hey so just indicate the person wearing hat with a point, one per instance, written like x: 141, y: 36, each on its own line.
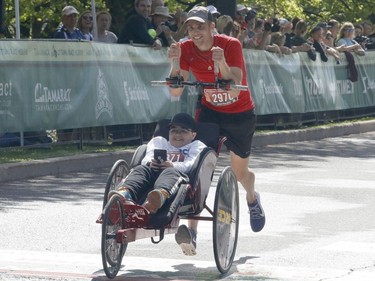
x: 158, y: 177
x: 232, y: 110
x: 160, y: 21
x: 214, y: 12
x: 68, y: 29
x: 138, y: 28
x: 241, y: 12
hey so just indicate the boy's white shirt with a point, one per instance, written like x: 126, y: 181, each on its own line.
x: 183, y: 157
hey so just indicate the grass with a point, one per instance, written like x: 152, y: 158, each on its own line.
x: 24, y: 154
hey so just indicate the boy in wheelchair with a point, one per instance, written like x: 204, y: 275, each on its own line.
x: 160, y: 178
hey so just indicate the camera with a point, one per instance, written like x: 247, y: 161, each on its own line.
x: 173, y: 27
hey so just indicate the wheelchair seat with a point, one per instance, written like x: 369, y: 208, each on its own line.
x: 191, y: 197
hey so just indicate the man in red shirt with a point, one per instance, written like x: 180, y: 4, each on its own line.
x: 232, y: 110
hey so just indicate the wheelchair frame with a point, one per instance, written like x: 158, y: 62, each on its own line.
x: 124, y: 222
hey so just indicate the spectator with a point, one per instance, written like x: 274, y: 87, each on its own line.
x: 250, y: 20
x: 241, y: 12
x: 138, y: 28
x: 278, y: 39
x: 85, y: 25
x: 68, y: 29
x: 224, y: 25
x: 333, y: 30
x: 104, y: 20
x: 215, y: 14
x: 261, y: 37
x: 346, y: 40
x: 299, y: 43
x: 370, y: 34
x: 295, y: 20
x: 181, y: 29
x: 317, y: 37
x: 240, y: 26
x: 286, y: 29
x: 160, y: 21
x: 367, y: 29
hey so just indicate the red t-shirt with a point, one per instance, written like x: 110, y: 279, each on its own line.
x: 202, y: 66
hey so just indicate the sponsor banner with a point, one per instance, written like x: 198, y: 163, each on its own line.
x: 58, y: 85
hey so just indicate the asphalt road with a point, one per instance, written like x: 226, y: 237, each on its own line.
x: 319, y: 202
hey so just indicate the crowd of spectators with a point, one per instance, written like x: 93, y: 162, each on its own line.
x: 150, y: 23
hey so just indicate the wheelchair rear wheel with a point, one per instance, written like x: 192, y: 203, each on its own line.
x: 226, y: 220
x: 118, y: 172
x: 112, y: 251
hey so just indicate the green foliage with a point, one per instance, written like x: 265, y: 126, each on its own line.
x: 314, y: 10
x: 39, y: 18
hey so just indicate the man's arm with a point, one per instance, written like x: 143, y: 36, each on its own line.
x: 174, y: 55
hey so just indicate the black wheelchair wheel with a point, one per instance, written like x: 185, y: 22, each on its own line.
x: 112, y: 251
x: 226, y: 220
x: 118, y: 172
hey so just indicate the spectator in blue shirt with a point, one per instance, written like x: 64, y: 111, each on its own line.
x: 68, y: 29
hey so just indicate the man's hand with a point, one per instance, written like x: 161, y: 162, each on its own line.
x: 174, y: 52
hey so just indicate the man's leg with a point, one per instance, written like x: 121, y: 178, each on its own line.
x: 246, y: 177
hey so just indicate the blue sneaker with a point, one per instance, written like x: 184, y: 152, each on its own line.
x: 257, y: 216
x: 186, y: 238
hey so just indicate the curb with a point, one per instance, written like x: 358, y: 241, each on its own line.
x: 87, y: 162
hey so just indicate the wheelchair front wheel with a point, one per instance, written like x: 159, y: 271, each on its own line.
x: 112, y: 251
x: 226, y: 220
x: 118, y: 172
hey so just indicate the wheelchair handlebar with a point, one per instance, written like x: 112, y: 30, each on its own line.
x: 220, y: 84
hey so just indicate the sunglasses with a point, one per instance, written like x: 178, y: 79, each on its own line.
x: 88, y: 18
x: 349, y: 29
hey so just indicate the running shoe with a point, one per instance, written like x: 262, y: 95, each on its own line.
x: 257, y: 216
x: 186, y: 238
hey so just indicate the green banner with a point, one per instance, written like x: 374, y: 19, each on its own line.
x: 56, y: 85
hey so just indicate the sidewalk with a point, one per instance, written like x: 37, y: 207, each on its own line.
x: 81, y: 163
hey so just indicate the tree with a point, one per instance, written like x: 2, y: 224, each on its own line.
x: 39, y: 18
x: 315, y: 10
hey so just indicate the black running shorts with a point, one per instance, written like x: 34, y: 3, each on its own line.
x: 239, y: 128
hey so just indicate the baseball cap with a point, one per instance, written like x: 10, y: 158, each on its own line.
x: 184, y: 120
x: 323, y: 25
x: 283, y: 22
x: 241, y: 8
x: 68, y: 10
x: 212, y: 9
x: 199, y: 13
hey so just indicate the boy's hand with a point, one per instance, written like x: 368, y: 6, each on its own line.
x: 155, y: 164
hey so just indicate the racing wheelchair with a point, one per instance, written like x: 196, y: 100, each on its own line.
x: 124, y: 222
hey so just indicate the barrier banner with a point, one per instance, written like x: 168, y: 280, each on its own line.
x: 62, y: 84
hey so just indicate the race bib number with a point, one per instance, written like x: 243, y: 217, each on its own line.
x: 218, y: 97
x: 176, y: 157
